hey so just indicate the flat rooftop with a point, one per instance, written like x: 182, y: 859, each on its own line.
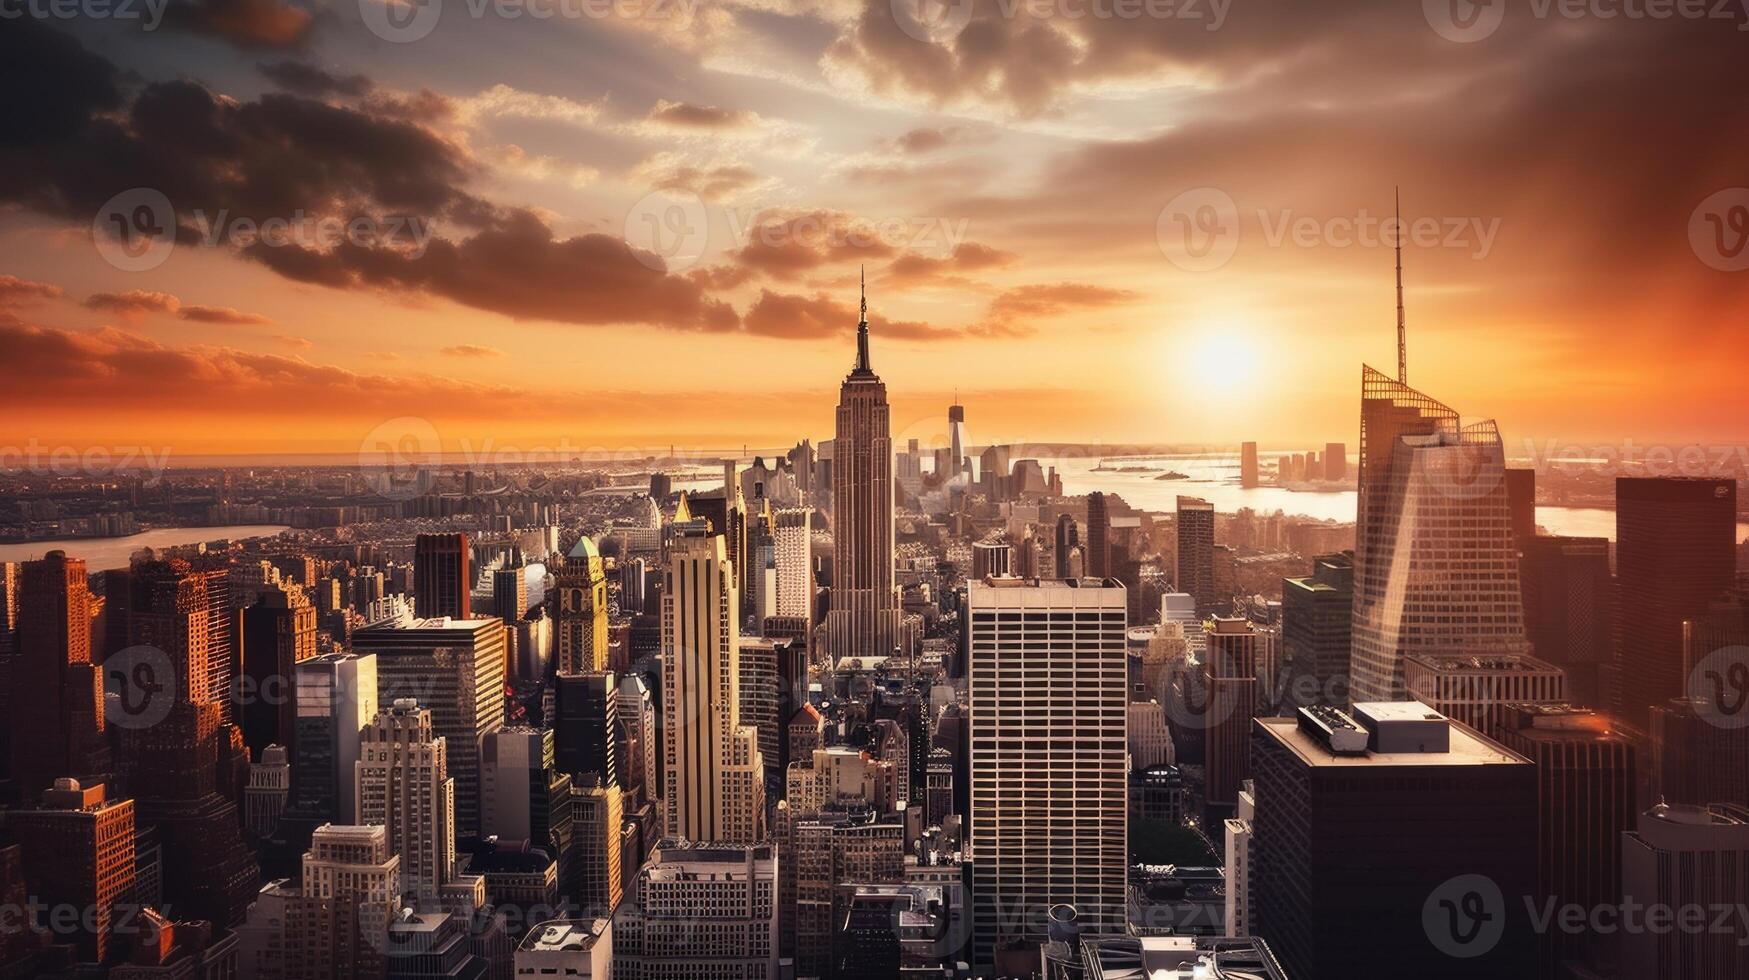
x: 1467, y: 748
x: 563, y: 935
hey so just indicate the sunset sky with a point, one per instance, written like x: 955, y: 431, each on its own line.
x: 1002, y: 180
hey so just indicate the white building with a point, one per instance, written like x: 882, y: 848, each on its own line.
x: 567, y: 948
x: 404, y: 785
x: 1150, y: 739
x: 1049, y: 780
x: 795, y: 561
x: 1238, y: 840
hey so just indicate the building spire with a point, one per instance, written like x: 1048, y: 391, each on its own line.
x: 1402, y: 329
x: 862, y: 366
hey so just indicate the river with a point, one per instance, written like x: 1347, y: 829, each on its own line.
x: 101, y: 554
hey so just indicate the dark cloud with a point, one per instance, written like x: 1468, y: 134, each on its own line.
x: 790, y: 316
x: 246, y: 23
x: 304, y: 78
x: 786, y: 244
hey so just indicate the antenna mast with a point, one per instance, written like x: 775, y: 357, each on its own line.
x: 1402, y: 331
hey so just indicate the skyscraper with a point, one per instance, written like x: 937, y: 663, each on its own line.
x: 715, y: 779
x: 404, y: 785
x: 55, y: 714
x: 1248, y: 465
x: 956, y: 440
x: 1569, y: 611
x: 1231, y: 678
x: 1682, y: 858
x: 337, y: 919
x: 582, y: 610
x: 1067, y: 546
x: 794, y: 543
x: 336, y: 699
x: 1049, y: 779
x: 1316, y: 625
x: 1369, y: 825
x: 279, y: 632
x: 1196, y: 552
x: 1098, y: 535
x: 455, y: 669
x: 700, y: 910
x: 1435, y: 564
x: 864, y: 618
x: 1336, y: 461
x: 442, y: 575
x: 78, y: 855
x: 509, y: 594
x: 1675, y: 552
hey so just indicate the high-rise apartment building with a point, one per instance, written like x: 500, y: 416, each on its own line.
x: 455, y: 669
x: 1370, y: 824
x: 715, y: 779
x: 1196, y: 552
x: 1049, y: 780
x: 1675, y: 553
x: 337, y: 919
x: 443, y: 580
x: 864, y: 620
x: 792, y: 537
x: 1435, y: 564
x: 700, y: 910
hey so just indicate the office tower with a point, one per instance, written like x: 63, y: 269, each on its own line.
x: 443, y: 579
x: 224, y: 655
x: 1048, y: 818
x: 55, y: 712
x: 1586, y: 777
x: 1675, y: 552
x: 1196, y: 553
x: 336, y: 699
x: 454, y: 668
x: 1370, y: 824
x: 183, y: 766
x: 404, y: 785
x: 585, y: 715
x: 700, y: 910
x: 269, y: 789
x: 714, y: 775
x: 1521, y: 503
x: 509, y: 593
x: 956, y: 438
x: 1098, y: 544
x: 833, y: 853
x: 337, y: 918
x: 1248, y: 465
x: 1435, y: 564
x: 1067, y: 543
x: 1569, y: 611
x: 1336, y: 461
x: 864, y: 618
x: 9, y: 583
x: 279, y: 632
x: 597, y: 822
x: 582, y: 610
x: 1238, y: 834
x: 1316, y: 621
x: 1476, y: 690
x: 77, y: 852
x: 1230, y: 670
x: 794, y: 542
x: 1683, y: 858
x: 991, y: 558
x: 636, y: 709
x: 516, y: 765
x: 759, y: 687
x: 581, y: 948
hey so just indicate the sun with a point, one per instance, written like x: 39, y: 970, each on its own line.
x: 1223, y: 357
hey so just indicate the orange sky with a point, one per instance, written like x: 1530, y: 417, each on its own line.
x: 1019, y: 192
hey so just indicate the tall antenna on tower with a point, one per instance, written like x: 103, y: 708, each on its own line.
x: 1402, y: 330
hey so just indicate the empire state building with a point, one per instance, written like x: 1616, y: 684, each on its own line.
x: 864, y: 618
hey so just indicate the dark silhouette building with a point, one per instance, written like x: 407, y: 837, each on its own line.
x: 442, y: 575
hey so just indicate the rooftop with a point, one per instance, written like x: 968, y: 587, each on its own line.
x: 563, y: 935
x: 1465, y: 747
